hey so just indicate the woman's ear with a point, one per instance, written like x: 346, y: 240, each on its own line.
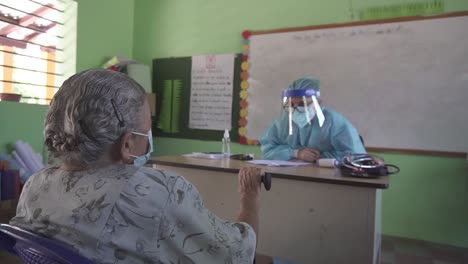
x: 126, y: 147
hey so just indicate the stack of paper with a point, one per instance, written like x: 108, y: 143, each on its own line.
x: 279, y: 163
x: 207, y: 155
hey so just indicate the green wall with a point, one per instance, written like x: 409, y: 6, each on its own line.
x: 21, y: 121
x: 427, y: 200
x: 105, y: 29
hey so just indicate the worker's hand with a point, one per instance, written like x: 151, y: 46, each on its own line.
x: 308, y: 154
x: 249, y: 182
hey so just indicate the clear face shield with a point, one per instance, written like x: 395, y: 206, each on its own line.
x: 303, y: 99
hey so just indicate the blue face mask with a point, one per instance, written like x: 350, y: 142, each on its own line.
x: 141, y: 160
x: 301, y: 118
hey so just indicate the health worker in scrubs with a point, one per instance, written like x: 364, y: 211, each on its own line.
x: 307, y: 131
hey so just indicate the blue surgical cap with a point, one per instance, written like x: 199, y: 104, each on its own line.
x: 306, y: 83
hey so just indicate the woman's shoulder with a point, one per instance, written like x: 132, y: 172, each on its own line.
x: 43, y: 173
x: 154, y: 187
x: 164, y: 178
x: 153, y: 172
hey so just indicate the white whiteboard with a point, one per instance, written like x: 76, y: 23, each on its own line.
x: 404, y: 85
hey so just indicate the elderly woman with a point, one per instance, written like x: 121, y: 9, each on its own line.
x: 102, y: 202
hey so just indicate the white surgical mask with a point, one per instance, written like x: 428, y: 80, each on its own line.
x: 141, y: 160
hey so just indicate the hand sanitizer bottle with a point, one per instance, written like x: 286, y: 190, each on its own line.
x: 226, y: 144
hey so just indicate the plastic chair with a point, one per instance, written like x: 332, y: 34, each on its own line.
x: 36, y: 249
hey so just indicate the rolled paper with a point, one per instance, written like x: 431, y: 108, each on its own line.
x: 329, y: 163
x: 25, y: 156
x: 20, y: 161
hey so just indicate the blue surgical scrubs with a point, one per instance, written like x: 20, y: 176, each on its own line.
x: 336, y: 138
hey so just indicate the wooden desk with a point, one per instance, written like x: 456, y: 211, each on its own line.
x: 311, y: 214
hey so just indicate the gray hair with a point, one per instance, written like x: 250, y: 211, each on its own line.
x: 89, y: 113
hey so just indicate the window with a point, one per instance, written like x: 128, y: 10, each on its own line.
x: 37, y: 47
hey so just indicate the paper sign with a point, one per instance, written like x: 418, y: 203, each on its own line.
x: 211, y: 92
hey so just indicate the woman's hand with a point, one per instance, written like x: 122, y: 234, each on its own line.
x: 249, y: 182
x: 249, y: 190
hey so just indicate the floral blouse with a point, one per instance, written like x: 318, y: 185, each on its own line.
x: 127, y: 214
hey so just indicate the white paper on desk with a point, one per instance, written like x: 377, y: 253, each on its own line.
x: 279, y: 163
x: 206, y: 155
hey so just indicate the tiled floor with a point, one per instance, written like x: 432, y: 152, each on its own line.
x: 397, y: 250
x: 394, y: 251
